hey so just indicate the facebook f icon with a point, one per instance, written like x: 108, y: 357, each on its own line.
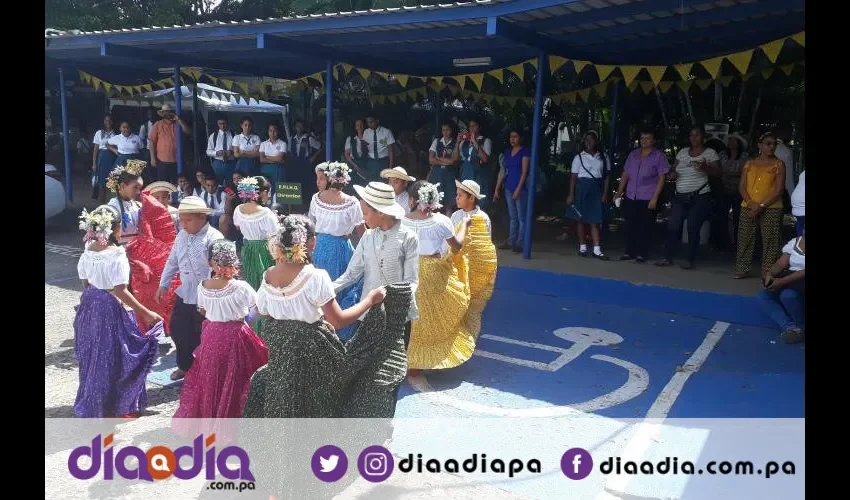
x: 576, y: 463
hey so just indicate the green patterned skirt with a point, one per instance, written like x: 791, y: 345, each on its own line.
x: 255, y: 260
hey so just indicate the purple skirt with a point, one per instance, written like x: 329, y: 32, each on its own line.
x: 114, y: 358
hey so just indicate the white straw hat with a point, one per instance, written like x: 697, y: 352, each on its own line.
x: 166, y: 108
x: 381, y: 197
x: 470, y: 187
x: 155, y: 187
x: 397, y: 173
x: 193, y: 205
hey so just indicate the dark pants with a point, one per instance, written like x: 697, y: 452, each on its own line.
x: 166, y: 172
x: 640, y: 225
x: 185, y: 327
x: 695, y: 211
x: 801, y: 225
x: 720, y: 220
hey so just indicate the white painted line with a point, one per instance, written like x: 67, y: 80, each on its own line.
x: 650, y: 427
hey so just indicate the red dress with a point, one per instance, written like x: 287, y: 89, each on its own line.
x: 148, y: 253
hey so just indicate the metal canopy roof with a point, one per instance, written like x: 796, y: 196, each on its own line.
x: 424, y: 40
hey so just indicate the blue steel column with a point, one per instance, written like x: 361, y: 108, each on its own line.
x: 178, y: 109
x: 531, y: 181
x: 612, y: 125
x: 329, y: 111
x: 65, y: 137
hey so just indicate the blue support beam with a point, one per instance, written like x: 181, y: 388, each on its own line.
x: 66, y: 139
x: 178, y: 109
x: 612, y: 125
x: 329, y: 111
x: 379, y: 37
x: 497, y: 27
x: 536, y: 136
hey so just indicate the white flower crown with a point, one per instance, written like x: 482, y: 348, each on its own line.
x: 430, y: 197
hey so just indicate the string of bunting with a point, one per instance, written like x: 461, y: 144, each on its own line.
x: 629, y: 74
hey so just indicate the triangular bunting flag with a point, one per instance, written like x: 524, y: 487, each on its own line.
x: 244, y: 87
x: 712, y: 66
x: 498, y: 75
x: 571, y: 97
x: 800, y: 38
x: 633, y: 86
x: 96, y: 82
x: 555, y: 63
x: 227, y: 84
x: 726, y: 80
x: 107, y: 87
x: 511, y: 101
x: 665, y: 86
x: 747, y: 77
x: 656, y: 73
x: 629, y: 73
x: 704, y: 84
x: 604, y: 71
x: 85, y: 77
x: 518, y: 70
x: 383, y: 75
x: 584, y: 94
x: 601, y: 89
x: 647, y: 87
x: 402, y: 80
x: 772, y: 49
x: 532, y: 62
x: 787, y: 69
x: 392, y: 99
x: 364, y: 73
x: 767, y: 73
x: 684, y: 70
x: 741, y: 60
x: 478, y: 80
x: 147, y: 87
x: 579, y: 65
x: 685, y: 84
x: 379, y: 99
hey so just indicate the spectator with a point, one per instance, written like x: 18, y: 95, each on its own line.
x: 144, y: 133
x: 762, y: 186
x: 784, y: 153
x: 103, y: 160
x: 220, y: 150
x: 474, y: 150
x: 732, y: 161
x: 272, y: 154
x: 641, y: 183
x: 163, y: 143
x: 356, y: 149
x: 381, y: 154
x: 443, y: 158
x: 214, y: 198
x: 126, y: 145
x: 184, y: 188
x: 798, y: 203
x: 516, y: 163
x: 246, y: 148
x: 589, y: 193
x: 784, y: 299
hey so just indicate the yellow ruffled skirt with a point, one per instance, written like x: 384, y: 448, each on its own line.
x: 452, y: 294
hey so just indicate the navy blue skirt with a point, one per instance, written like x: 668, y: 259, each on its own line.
x: 105, y: 164
x: 248, y: 166
x: 588, y: 202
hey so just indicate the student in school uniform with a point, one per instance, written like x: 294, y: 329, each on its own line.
x: 214, y: 198
x: 474, y: 150
x: 220, y: 150
x: 103, y: 160
x: 299, y: 163
x: 357, y: 149
x: 246, y: 148
x: 272, y: 153
x: 125, y: 146
x: 144, y: 132
x: 381, y: 156
x: 443, y: 157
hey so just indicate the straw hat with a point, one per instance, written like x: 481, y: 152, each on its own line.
x: 166, y: 108
x: 470, y: 187
x: 193, y: 205
x: 156, y: 187
x: 397, y: 173
x: 741, y: 139
x: 381, y: 197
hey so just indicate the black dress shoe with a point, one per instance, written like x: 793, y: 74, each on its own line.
x: 626, y: 257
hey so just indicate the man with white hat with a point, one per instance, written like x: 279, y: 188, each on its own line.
x: 190, y: 257
x: 468, y: 196
x: 163, y: 143
x: 399, y: 180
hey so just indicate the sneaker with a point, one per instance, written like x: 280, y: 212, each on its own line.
x: 505, y: 246
x: 600, y: 256
x: 793, y: 335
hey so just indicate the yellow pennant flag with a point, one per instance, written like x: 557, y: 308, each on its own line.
x: 601, y: 89
x: 656, y: 73
x: 685, y: 84
x: 712, y: 66
x: 741, y: 60
x: 383, y: 75
x: 478, y: 80
x: 244, y: 87
x: 647, y: 87
x: 532, y: 62
x: 147, y: 87
x: 498, y: 75
x: 579, y: 65
x: 85, y: 77
x: 684, y: 70
x: 629, y: 73
x: 665, y: 86
x: 96, y: 82
x: 437, y: 84
x: 767, y: 73
x: 571, y: 97
x: 107, y: 87
x: 632, y: 86
x: 726, y: 80
x: 392, y: 99
x: 604, y: 71
x: 500, y: 100
x: 555, y: 63
x: 227, y: 84
x: 787, y: 69
x: 420, y: 92
x: 379, y: 99
x: 584, y: 94
x: 402, y: 80
x: 518, y: 70
x: 346, y: 69
x: 800, y: 38
x: 747, y: 77
x: 364, y: 73
x: 704, y: 84
x: 772, y: 49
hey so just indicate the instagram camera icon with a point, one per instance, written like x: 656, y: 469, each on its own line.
x: 375, y: 464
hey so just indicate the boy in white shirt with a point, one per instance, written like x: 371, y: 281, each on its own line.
x: 468, y: 195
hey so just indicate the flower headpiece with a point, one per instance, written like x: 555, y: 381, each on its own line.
x: 338, y: 172
x: 98, y: 224
x: 248, y: 189
x: 135, y: 167
x: 430, y: 197
x: 224, y: 259
x: 296, y: 250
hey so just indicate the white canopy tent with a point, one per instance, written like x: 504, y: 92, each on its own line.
x: 210, y: 98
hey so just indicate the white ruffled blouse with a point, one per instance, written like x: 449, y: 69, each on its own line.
x: 231, y: 303
x: 301, y: 300
x: 105, y: 269
x: 433, y: 233
x: 260, y: 225
x: 336, y: 220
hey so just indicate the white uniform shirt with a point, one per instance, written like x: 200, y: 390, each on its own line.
x: 144, y: 132
x: 592, y: 165
x: 127, y: 145
x: 385, y: 140
x: 247, y: 144
x: 224, y: 143
x: 273, y: 149
x: 486, y: 145
x: 785, y: 154
x: 101, y: 138
x: 303, y: 141
x: 358, y: 145
x: 798, y: 197
x: 215, y: 201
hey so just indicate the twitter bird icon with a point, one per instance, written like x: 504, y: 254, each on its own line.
x: 329, y: 463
